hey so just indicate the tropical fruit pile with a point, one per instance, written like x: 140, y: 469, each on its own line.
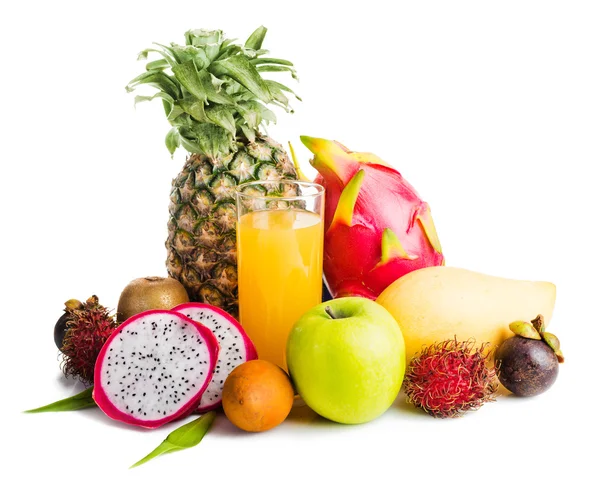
x: 396, y: 318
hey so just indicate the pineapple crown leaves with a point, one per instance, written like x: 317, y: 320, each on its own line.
x: 213, y: 91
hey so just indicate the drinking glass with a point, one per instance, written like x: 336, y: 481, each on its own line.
x: 280, y: 259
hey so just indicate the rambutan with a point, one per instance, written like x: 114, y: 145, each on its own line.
x: 88, y: 326
x: 449, y: 378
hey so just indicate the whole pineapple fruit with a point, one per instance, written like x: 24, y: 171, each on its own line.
x: 215, y: 97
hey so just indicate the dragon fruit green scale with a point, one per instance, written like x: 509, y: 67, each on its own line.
x: 377, y: 228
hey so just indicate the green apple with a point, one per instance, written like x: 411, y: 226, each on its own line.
x: 347, y: 359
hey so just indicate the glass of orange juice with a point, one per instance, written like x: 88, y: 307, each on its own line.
x: 280, y: 259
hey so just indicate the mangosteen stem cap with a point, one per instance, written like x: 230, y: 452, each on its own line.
x: 536, y: 330
x: 73, y: 304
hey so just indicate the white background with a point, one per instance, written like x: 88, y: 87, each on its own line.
x: 490, y: 109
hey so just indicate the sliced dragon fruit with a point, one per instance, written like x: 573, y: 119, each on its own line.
x: 154, y: 368
x: 235, y: 347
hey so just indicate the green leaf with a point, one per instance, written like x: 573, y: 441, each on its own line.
x: 229, y: 51
x: 251, y: 111
x: 222, y: 116
x: 157, y: 64
x: 226, y: 43
x: 268, y: 60
x: 215, y: 81
x: 175, y: 112
x: 209, y: 41
x: 184, y: 121
x: 165, y: 52
x: 194, y: 108
x: 157, y: 79
x: 213, y: 140
x: 277, y: 68
x: 187, y: 436
x: 212, y: 87
x: 189, y: 145
x: 191, y: 53
x: 172, y: 140
x: 277, y: 92
x: 256, y: 39
x: 267, y: 114
x: 167, y: 101
x: 276, y: 85
x: 187, y: 75
x: 243, y: 95
x: 241, y: 70
x: 78, y: 401
x: 249, y: 133
x: 162, y: 95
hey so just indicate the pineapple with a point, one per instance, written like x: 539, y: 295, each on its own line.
x: 215, y: 98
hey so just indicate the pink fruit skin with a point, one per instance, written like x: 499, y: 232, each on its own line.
x: 248, y: 344
x: 104, y: 403
x: 356, y: 260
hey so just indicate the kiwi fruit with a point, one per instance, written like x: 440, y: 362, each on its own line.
x: 149, y: 293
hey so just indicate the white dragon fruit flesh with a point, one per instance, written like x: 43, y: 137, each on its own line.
x: 235, y: 347
x: 154, y: 368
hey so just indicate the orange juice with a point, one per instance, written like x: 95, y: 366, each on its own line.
x: 280, y: 265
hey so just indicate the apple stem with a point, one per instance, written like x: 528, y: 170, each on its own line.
x: 329, y: 312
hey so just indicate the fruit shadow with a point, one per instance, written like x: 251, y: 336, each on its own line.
x: 96, y: 414
x: 222, y: 427
x: 300, y: 416
x: 401, y: 405
x: 70, y: 383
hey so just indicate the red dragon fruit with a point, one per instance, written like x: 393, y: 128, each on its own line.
x: 235, y: 347
x: 154, y: 368
x: 377, y: 228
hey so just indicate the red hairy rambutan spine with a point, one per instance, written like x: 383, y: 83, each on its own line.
x: 88, y: 327
x: 449, y: 378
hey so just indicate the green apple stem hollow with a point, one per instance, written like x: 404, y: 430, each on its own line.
x: 329, y: 312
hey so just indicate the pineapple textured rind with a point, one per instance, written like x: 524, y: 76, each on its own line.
x: 202, y: 222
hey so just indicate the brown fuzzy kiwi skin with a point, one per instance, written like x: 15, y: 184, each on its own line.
x: 526, y: 367
x: 150, y: 293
